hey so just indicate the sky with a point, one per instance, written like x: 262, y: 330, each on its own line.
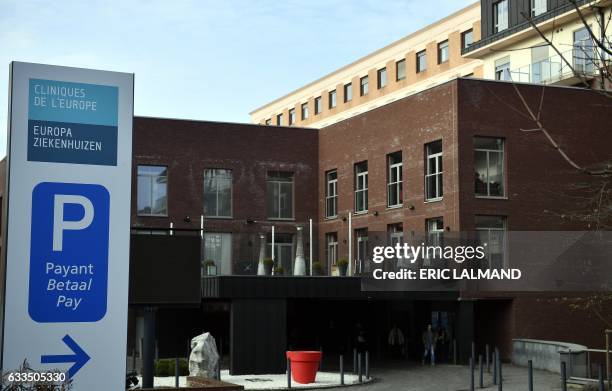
x: 206, y: 60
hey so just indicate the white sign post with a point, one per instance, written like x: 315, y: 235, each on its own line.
x: 66, y: 249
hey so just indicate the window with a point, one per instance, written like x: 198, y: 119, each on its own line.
x: 348, y: 92
x: 400, y: 70
x: 435, y: 233
x: 382, y: 77
x: 467, y: 39
x: 331, y: 194
x: 280, y: 195
x: 394, y: 179
x: 396, y: 236
x: 443, y: 52
x: 421, y: 61
x: 318, y: 105
x: 291, y: 116
x: 583, y: 51
x: 361, y: 248
x: 283, y: 251
x: 502, y: 69
x: 538, y: 7
x: 332, y: 99
x: 331, y: 248
x: 152, y: 190
x: 304, y: 111
x: 269, y: 121
x: 489, y: 166
x: 218, y: 248
x: 361, y: 187
x: 500, y: 16
x: 364, y: 86
x: 279, y: 120
x: 433, y: 171
x: 491, y: 232
x: 217, y: 193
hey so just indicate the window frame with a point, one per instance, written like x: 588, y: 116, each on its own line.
x: 138, y: 213
x: 364, y: 85
x: 497, y: 27
x: 279, y: 119
x: 397, y: 72
x: 543, y: 8
x: 422, y: 54
x: 463, y: 40
x: 318, y: 105
x: 398, y: 184
x: 291, y: 117
x: 304, y: 111
x: 504, y: 229
x: 329, y: 196
x: 438, y: 156
x: 231, y: 201
x: 348, y: 92
x: 443, y: 46
x: 501, y: 151
x: 363, y: 175
x: 331, y: 242
x: 503, y: 69
x: 381, y: 78
x: 268, y: 180
x: 333, y: 99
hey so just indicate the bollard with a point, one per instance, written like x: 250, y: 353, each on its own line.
x: 367, y: 364
x: 471, y: 374
x: 455, y: 351
x: 473, y: 351
x: 341, y: 370
x: 500, y: 376
x: 288, y: 372
x: 481, y: 379
x: 494, y: 359
x: 563, y: 377
x: 530, y: 375
x: 354, y: 361
x: 359, y: 367
x: 601, y: 378
x: 177, y: 372
x: 487, y: 358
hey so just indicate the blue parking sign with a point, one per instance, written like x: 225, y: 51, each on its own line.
x: 69, y: 252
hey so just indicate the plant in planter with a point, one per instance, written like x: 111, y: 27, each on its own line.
x: 268, y: 264
x: 317, y: 268
x: 279, y: 271
x: 342, y: 266
x: 211, y: 267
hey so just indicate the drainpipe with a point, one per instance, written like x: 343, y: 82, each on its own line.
x: 350, y: 244
x: 310, y: 245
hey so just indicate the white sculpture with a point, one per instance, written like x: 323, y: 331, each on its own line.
x: 204, y: 357
x: 261, y: 271
x: 299, y: 267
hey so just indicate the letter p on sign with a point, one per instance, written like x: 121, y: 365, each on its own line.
x: 60, y: 225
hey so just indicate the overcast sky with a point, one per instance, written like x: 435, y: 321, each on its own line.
x: 210, y: 60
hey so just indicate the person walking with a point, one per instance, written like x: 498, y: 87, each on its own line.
x: 396, y: 341
x: 429, y: 343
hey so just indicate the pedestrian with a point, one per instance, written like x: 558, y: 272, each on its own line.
x: 429, y: 343
x: 396, y: 341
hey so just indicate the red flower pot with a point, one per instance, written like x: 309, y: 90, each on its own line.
x: 304, y: 365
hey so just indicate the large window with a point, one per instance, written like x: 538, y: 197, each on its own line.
x: 443, y: 52
x: 583, y: 51
x: 152, y: 190
x: 538, y: 7
x: 502, y: 69
x: 304, y: 111
x: 421, y: 61
x: 280, y: 195
x: 394, y: 179
x: 361, y: 187
x: 217, y: 193
x: 331, y: 248
x: 433, y: 171
x: 331, y: 194
x: 489, y: 166
x: 400, y: 70
x: 491, y: 232
x: 332, y: 99
x: 218, y: 248
x: 348, y: 92
x: 364, y: 87
x: 500, y: 16
x: 291, y: 116
x: 318, y: 103
x: 467, y: 38
x: 382, y: 77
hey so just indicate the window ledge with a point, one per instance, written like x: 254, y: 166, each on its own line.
x: 433, y: 200
x: 148, y: 215
x: 361, y: 212
x: 491, y: 197
x: 281, y: 219
x: 218, y: 217
x: 398, y: 206
x: 331, y: 217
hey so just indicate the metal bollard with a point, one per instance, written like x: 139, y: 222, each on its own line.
x: 530, y: 375
x: 177, y: 372
x: 500, y: 376
x: 481, y: 379
x: 563, y: 376
x: 487, y: 353
x: 494, y: 359
x: 473, y: 351
x: 341, y: 370
x: 601, y: 378
x: 455, y: 351
x: 471, y: 374
x: 367, y: 364
x: 355, y: 361
x: 359, y: 367
x: 288, y: 372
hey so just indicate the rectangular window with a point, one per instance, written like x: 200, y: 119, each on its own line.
x: 491, y: 231
x: 394, y: 179
x: 500, y: 16
x: 361, y: 187
x: 269, y: 121
x: 348, y: 92
x: 442, y: 52
x: 364, y: 87
x: 435, y: 235
x: 467, y: 39
x: 331, y: 194
x: 318, y: 105
x: 217, y: 192
x: 433, y: 171
x: 291, y: 116
x: 280, y: 195
x: 279, y: 120
x: 502, y: 69
x: 361, y: 249
x: 382, y: 77
x: 332, y: 99
x: 400, y: 70
x: 304, y: 111
x: 538, y: 7
x: 218, y: 248
x: 584, y: 53
x: 331, y: 248
x: 152, y: 190
x: 421, y: 61
x: 489, y: 166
